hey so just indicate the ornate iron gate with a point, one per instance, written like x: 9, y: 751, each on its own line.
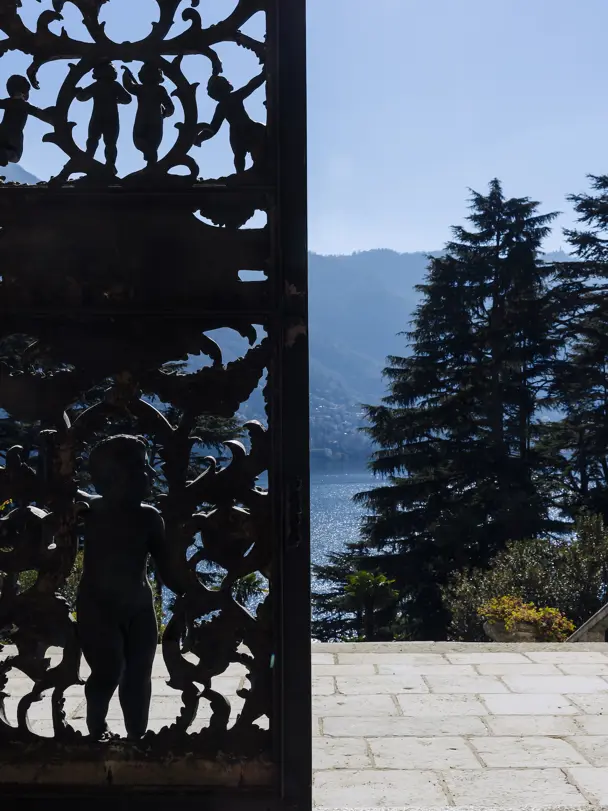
x: 126, y: 299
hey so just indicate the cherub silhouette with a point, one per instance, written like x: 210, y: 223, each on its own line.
x: 246, y: 136
x: 154, y: 105
x: 17, y: 110
x: 107, y: 93
x: 115, y: 610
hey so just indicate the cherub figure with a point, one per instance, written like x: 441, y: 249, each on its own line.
x: 115, y: 608
x: 107, y: 93
x: 153, y: 106
x: 246, y: 136
x: 17, y: 110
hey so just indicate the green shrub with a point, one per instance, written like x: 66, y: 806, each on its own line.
x: 549, y: 623
x: 570, y: 575
x: 360, y: 607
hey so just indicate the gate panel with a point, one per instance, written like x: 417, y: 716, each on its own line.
x: 154, y: 400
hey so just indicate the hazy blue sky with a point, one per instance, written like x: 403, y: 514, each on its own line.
x: 412, y: 102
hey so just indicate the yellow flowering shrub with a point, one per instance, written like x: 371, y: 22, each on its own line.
x: 551, y: 625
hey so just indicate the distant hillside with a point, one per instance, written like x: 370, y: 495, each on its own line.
x: 358, y: 305
x: 15, y: 174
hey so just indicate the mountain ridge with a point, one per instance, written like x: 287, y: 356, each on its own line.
x: 13, y: 173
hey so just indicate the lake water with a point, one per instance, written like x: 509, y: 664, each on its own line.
x: 335, y: 518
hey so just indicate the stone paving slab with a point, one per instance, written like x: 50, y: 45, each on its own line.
x: 424, y: 753
x: 526, y: 752
x: 433, y: 725
x: 543, y: 788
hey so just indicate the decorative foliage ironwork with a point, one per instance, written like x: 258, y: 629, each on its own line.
x: 223, y: 507
x: 113, y: 280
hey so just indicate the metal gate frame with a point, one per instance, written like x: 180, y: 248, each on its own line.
x: 289, y: 478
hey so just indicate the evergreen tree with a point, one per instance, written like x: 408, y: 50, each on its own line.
x: 577, y: 442
x: 353, y: 604
x: 570, y: 574
x: 456, y: 430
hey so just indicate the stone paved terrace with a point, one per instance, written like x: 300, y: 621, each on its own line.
x: 438, y: 725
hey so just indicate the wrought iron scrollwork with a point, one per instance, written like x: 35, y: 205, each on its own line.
x: 223, y: 507
x: 160, y: 55
x: 113, y: 289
